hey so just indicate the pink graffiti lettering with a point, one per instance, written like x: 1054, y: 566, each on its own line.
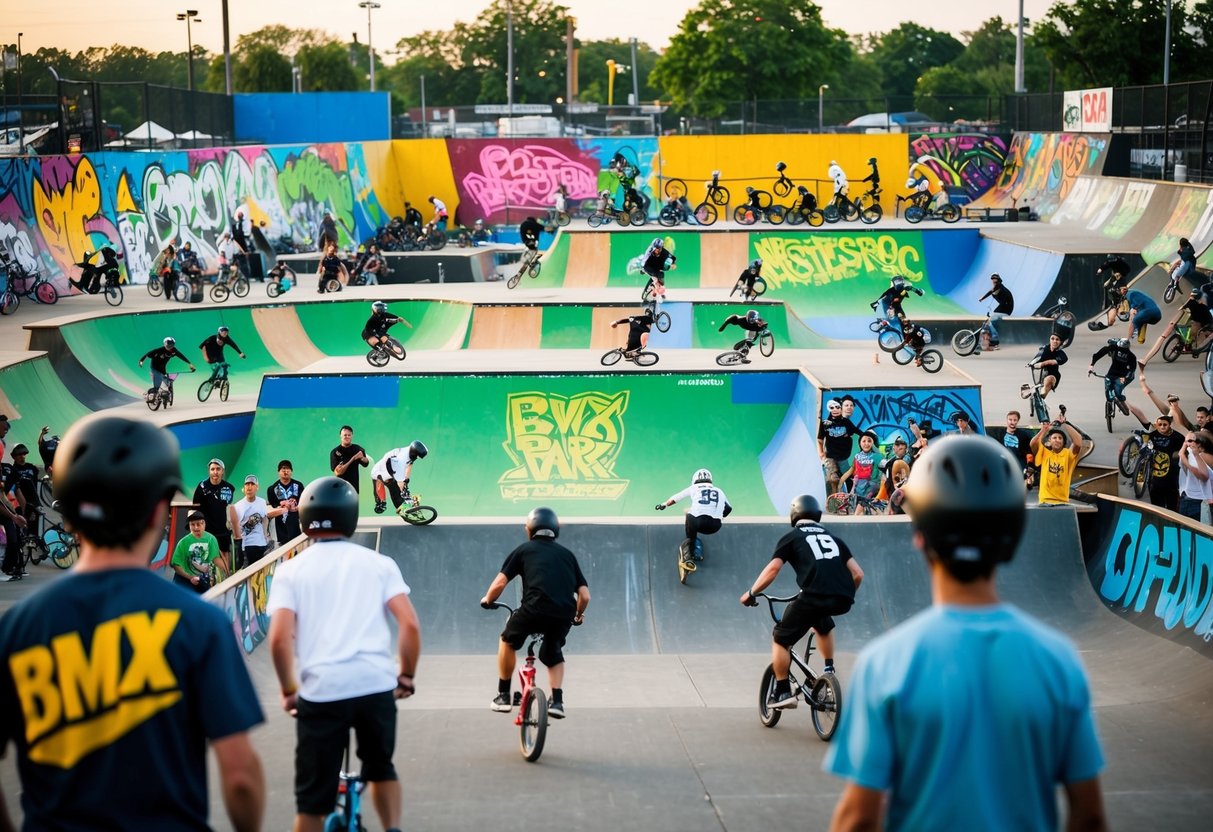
x: 524, y: 177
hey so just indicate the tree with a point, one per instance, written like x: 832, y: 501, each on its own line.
x: 539, y: 51
x: 947, y: 94
x: 989, y: 57
x: 908, y: 51
x: 1105, y: 43
x: 731, y: 50
x: 439, y: 56
x: 327, y: 68
x: 261, y: 68
x: 592, y: 71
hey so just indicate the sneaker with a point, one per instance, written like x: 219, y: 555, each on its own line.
x: 556, y: 710
x: 782, y: 699
x: 501, y: 703
x: 7, y: 578
x: 380, y: 507
x: 745, y: 360
x: 517, y: 698
x: 829, y: 669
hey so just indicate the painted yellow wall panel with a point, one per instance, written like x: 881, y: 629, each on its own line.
x: 424, y: 168
x: 385, y: 179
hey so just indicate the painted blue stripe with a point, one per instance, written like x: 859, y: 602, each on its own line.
x: 764, y: 388
x: 213, y: 431
x: 302, y: 392
x: 681, y: 324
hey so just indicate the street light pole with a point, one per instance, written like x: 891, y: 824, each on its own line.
x: 424, y: 118
x: 370, y: 44
x: 821, y: 107
x: 20, y: 108
x: 1019, y: 87
x: 190, y: 16
x: 1166, y: 58
x: 509, y: 60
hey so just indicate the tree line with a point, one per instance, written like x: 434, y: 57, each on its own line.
x: 724, y: 51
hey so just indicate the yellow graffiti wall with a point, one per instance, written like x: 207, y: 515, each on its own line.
x: 383, y: 176
x: 751, y: 160
x: 424, y: 169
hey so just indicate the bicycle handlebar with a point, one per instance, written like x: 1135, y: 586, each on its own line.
x: 497, y: 605
x: 771, y: 601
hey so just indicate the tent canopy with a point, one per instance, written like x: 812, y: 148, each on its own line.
x: 150, y: 130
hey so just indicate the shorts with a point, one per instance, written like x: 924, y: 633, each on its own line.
x: 1143, y: 318
x: 809, y: 612
x: 701, y: 524
x: 224, y: 540
x: 322, y: 733
x: 553, y: 628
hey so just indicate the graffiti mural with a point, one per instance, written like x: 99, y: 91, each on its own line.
x: 1157, y: 572
x: 501, y: 180
x: 887, y: 411
x: 822, y: 259
x: 1041, y: 168
x: 564, y: 446
x: 971, y: 161
x: 245, y: 602
x: 1192, y: 217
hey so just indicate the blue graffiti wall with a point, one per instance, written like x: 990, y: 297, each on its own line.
x: 886, y: 410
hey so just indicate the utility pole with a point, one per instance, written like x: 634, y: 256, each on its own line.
x: 509, y: 61
x: 1019, y: 85
x: 635, y: 77
x: 20, y: 103
x: 189, y: 16
x: 369, y: 5
x: 227, y: 52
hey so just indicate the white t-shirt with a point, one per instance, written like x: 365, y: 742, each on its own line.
x: 558, y: 201
x: 228, y: 249
x: 707, y: 500
x: 840, y: 178
x: 439, y: 207
x: 251, y: 518
x: 343, y: 637
x: 1192, y: 485
x: 398, y: 457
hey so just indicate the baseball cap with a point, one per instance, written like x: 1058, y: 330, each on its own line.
x: 899, y: 440
x: 195, y: 516
x: 19, y: 450
x: 217, y: 461
x: 251, y: 478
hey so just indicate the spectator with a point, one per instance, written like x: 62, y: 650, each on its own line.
x: 346, y: 457
x: 284, y: 494
x: 834, y: 443
x: 1057, y: 462
x: 10, y: 520
x: 1018, y: 442
x: 155, y: 673
x: 923, y: 434
x: 864, y: 471
x: 963, y: 423
x: 1164, y: 464
x: 23, y: 481
x: 250, y: 521
x: 194, y: 554
x: 1196, y: 476
x: 900, y: 473
x: 935, y: 734
x: 213, y: 496
x: 326, y: 233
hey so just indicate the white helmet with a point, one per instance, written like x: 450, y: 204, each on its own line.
x: 702, y: 475
x: 378, y: 306
x: 169, y: 343
x: 658, y: 243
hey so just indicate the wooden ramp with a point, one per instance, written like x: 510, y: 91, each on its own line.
x: 506, y: 327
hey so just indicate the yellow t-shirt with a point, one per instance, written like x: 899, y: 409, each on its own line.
x: 1056, y: 469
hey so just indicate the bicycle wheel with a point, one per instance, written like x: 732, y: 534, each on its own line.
x: 1126, y: 459
x: 782, y: 187
x: 45, y: 293
x: 1064, y: 325
x: 827, y: 705
x: 1141, y: 476
x: 534, y: 269
x: 766, y: 344
x: 419, y: 515
x: 964, y: 342
x: 637, y: 217
x: 204, y: 389
x: 1172, y: 348
x: 273, y: 288
x: 332, y: 285
x: 1122, y: 312
x: 646, y: 294
x: 675, y: 189
x: 890, y: 340
x: 871, y: 214
x: 794, y: 216
x: 667, y: 217
x: 720, y: 196
x: 815, y: 218
x: 1039, y: 409
x: 838, y: 503
x: 219, y: 292
x: 513, y: 281
x: 182, y: 293
x: 760, y: 287
x: 153, y: 403
x: 829, y: 214
x: 595, y: 220
x: 46, y: 494
x: 113, y: 295
x: 378, y: 357
x: 932, y: 361
x: 225, y: 388
x: 949, y: 213
x: 849, y: 211
x: 775, y: 214
x: 1109, y: 413
x: 645, y: 359
x: 914, y: 214
x: 706, y: 213
x: 395, y: 349
x: 1168, y: 294
x: 240, y: 287
x: 767, y: 715
x: 745, y: 215
x: 534, y: 728
x: 730, y: 358
x: 154, y: 286
x: 62, y: 546
x: 611, y: 358
x: 563, y: 218
x: 662, y: 322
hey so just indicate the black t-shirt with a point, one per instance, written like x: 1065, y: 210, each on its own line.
x: 1124, y: 362
x: 330, y: 265
x: 757, y: 325
x: 1115, y: 265
x: 1058, y: 355
x: 550, y: 577
x: 212, y: 500
x: 529, y: 230
x: 212, y: 347
x: 1019, y: 444
x: 161, y: 356
x: 1198, y: 312
x: 341, y: 454
x: 655, y: 260
x: 820, y: 561
x: 25, y: 478
x: 1003, y: 297
x: 378, y: 324
x: 749, y: 276
x: 286, y: 525
x: 1164, y: 468
x: 837, y: 433
x: 126, y: 701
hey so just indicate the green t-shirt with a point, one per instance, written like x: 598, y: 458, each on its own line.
x: 195, y: 554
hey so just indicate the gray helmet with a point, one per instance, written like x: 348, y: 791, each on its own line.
x: 752, y: 315
x: 658, y: 242
x: 418, y: 450
x: 805, y: 507
x: 542, y: 522
x: 1123, y: 343
x: 756, y: 263
x: 966, y: 496
x: 378, y: 306
x: 328, y: 505
x: 110, y: 473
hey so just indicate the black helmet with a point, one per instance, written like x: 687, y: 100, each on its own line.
x: 328, y: 505
x: 542, y: 522
x: 1123, y: 343
x: 872, y: 161
x: 110, y: 474
x: 417, y: 450
x: 966, y: 496
x: 805, y: 507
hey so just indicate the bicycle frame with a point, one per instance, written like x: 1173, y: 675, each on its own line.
x: 810, y: 678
